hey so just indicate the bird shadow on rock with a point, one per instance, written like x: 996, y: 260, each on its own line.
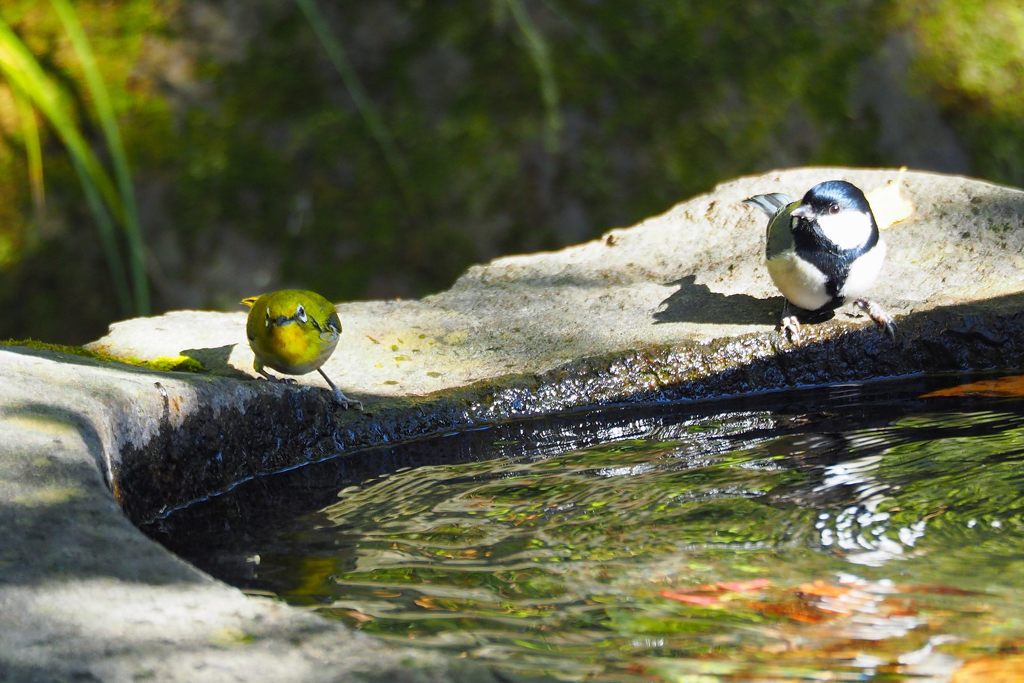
x: 694, y: 303
x: 215, y: 360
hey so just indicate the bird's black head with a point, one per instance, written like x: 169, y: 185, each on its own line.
x: 837, y: 216
x: 833, y: 196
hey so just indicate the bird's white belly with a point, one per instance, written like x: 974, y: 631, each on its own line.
x: 799, y: 281
x: 863, y: 273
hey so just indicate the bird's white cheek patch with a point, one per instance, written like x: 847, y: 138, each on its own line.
x: 846, y: 229
x: 799, y: 281
x: 864, y: 272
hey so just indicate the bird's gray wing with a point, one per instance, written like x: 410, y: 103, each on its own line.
x: 780, y: 231
x: 778, y: 206
x: 770, y: 203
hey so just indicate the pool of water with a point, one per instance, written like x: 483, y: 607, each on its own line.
x: 852, y: 533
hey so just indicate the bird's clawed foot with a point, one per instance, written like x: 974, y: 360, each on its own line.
x: 281, y: 380
x: 878, y: 316
x: 790, y: 326
x: 344, y: 401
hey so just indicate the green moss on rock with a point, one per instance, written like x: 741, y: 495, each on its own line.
x: 161, y: 363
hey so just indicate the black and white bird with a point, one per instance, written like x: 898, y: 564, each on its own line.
x: 823, y: 251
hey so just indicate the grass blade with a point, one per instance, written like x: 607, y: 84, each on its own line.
x: 108, y: 239
x: 122, y: 172
x: 336, y: 53
x: 34, y: 154
x: 537, y: 49
x: 24, y: 73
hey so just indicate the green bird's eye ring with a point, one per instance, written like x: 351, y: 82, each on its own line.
x: 300, y: 313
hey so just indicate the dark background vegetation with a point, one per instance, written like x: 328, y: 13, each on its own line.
x: 488, y: 127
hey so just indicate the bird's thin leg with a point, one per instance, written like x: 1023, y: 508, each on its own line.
x: 878, y: 315
x: 789, y: 324
x: 339, y: 395
x: 266, y: 375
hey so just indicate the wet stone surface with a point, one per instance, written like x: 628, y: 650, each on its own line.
x: 676, y: 308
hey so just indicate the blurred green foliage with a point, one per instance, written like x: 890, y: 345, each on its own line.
x: 34, y: 90
x: 515, y: 125
x: 971, y: 58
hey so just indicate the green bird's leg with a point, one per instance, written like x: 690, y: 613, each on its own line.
x: 258, y: 367
x: 339, y: 395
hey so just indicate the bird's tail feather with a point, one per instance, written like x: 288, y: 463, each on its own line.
x: 769, y: 203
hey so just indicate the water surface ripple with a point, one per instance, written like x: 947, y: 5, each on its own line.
x: 855, y: 533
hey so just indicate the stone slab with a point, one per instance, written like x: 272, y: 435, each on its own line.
x: 676, y: 308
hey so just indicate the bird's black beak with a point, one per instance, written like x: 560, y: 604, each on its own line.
x: 803, y: 211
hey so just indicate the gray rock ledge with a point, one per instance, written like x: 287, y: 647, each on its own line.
x: 676, y: 308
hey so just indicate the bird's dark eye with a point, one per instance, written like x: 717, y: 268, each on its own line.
x: 300, y: 313
x: 833, y: 208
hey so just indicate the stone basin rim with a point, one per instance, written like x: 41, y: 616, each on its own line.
x: 583, y: 409
x: 757, y: 364
x: 626, y: 404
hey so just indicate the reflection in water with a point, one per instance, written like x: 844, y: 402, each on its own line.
x: 853, y: 533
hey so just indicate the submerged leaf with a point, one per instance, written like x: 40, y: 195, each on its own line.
x: 1002, y: 387
x: 711, y: 593
x: 690, y: 598
x: 744, y: 586
x: 991, y: 670
x: 822, y: 589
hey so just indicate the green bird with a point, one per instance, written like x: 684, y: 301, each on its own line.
x: 294, y: 331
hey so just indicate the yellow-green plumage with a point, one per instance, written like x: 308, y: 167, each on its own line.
x: 293, y: 331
